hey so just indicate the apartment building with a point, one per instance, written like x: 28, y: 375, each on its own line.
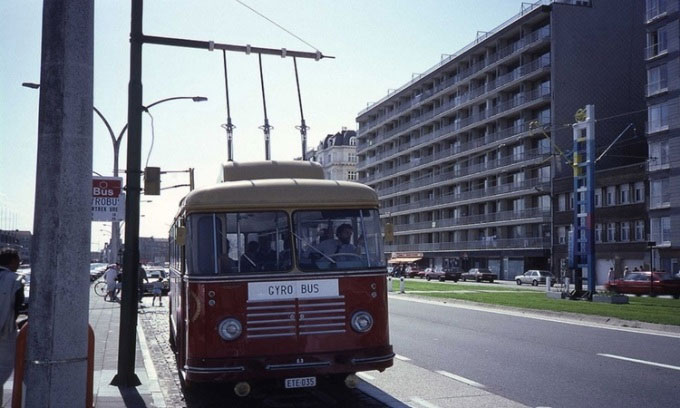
x: 462, y: 155
x: 662, y: 59
x: 337, y: 154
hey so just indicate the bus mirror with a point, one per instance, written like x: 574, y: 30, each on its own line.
x: 181, y: 237
x: 389, y: 232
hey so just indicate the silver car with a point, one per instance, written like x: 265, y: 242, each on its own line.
x: 535, y: 277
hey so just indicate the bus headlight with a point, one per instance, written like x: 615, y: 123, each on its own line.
x: 362, y: 321
x: 230, y: 329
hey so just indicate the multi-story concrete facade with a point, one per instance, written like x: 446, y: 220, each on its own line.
x: 662, y: 58
x: 337, y: 154
x: 461, y: 155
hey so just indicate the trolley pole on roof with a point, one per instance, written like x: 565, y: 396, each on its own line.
x: 126, y: 377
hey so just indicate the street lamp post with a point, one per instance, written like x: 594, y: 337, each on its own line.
x: 116, y: 140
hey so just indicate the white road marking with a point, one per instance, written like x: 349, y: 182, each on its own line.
x: 423, y: 403
x: 529, y: 315
x: 365, y: 376
x: 634, y: 360
x: 402, y: 358
x: 460, y: 379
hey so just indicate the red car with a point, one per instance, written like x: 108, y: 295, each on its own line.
x: 637, y: 283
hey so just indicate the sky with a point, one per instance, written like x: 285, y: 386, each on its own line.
x: 378, y: 45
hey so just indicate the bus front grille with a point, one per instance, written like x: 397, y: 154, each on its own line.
x: 296, y: 317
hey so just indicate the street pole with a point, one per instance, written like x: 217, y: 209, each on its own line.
x: 57, y: 344
x: 125, y: 376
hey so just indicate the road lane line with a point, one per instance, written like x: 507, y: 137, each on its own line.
x: 402, y: 358
x: 460, y: 379
x: 423, y: 403
x: 365, y: 376
x: 634, y: 360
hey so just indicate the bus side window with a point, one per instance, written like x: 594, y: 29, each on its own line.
x: 205, y: 243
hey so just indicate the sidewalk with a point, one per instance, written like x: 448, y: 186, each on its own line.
x: 105, y: 321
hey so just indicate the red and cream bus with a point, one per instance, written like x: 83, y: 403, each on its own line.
x: 278, y: 274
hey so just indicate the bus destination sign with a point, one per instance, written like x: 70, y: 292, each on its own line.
x: 317, y: 288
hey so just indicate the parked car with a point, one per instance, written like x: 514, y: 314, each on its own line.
x: 479, y: 274
x: 638, y: 283
x: 412, y: 271
x: 422, y: 273
x: 535, y: 277
x: 443, y: 274
x: 96, y: 270
x: 153, y: 273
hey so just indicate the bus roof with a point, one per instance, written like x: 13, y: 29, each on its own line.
x: 281, y: 194
x: 270, y: 169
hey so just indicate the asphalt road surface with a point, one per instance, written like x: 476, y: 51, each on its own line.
x: 539, y: 363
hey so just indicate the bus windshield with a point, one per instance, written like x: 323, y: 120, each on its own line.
x: 243, y: 242
x: 337, y: 239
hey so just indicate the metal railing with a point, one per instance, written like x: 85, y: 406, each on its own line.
x: 488, y: 243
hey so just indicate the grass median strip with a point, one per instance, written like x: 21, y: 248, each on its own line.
x: 644, y: 309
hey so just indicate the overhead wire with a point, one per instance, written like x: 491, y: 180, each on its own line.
x: 275, y: 23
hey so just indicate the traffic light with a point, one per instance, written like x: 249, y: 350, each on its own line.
x: 152, y: 181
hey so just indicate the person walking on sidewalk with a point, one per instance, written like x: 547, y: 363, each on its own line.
x: 11, y: 301
x: 141, y: 277
x: 157, y: 291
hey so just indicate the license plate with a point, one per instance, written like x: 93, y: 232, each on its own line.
x: 300, y: 382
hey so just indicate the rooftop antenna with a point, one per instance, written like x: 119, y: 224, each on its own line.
x: 229, y: 127
x: 303, y: 127
x: 266, y: 128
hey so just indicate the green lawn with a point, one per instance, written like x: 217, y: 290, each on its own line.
x: 645, y: 309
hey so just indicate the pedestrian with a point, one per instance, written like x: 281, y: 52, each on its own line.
x: 141, y: 277
x: 110, y: 276
x: 11, y: 302
x: 626, y: 271
x: 157, y: 290
x: 610, y: 274
x: 636, y: 269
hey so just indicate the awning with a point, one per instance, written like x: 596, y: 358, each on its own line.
x: 403, y: 260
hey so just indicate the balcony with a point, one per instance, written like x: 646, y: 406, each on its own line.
x: 487, y: 243
x: 657, y: 87
x: 477, y: 169
x: 656, y: 50
x: 452, y: 199
x: 516, y: 216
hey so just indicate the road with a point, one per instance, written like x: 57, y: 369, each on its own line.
x: 538, y: 362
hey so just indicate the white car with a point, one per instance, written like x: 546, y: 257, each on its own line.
x: 535, y: 277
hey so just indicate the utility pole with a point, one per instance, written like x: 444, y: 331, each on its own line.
x: 56, y: 356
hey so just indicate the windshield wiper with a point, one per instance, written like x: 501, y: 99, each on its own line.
x: 313, y: 247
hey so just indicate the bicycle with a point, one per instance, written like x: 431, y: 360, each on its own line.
x: 100, y: 288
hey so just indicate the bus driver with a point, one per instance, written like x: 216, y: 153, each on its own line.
x: 341, y: 245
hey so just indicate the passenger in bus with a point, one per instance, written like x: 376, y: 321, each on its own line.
x: 266, y: 256
x: 227, y: 265
x: 341, y: 245
x: 249, y: 258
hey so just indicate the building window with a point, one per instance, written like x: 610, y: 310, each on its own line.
x: 658, y: 155
x: 657, y: 80
x: 518, y: 153
x: 352, y: 157
x: 639, y: 192
x: 655, y: 8
x: 657, y: 42
x: 657, y: 116
x: 625, y: 231
x: 562, y: 235
x: 611, y: 232
x: 544, y: 174
x: 352, y: 141
x: 624, y: 194
x: 571, y: 201
x: 640, y: 230
x: 598, y: 197
x: 562, y: 202
x: 660, y: 230
x: 351, y: 175
x: 659, y: 193
x: 611, y: 196
x: 598, y: 232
